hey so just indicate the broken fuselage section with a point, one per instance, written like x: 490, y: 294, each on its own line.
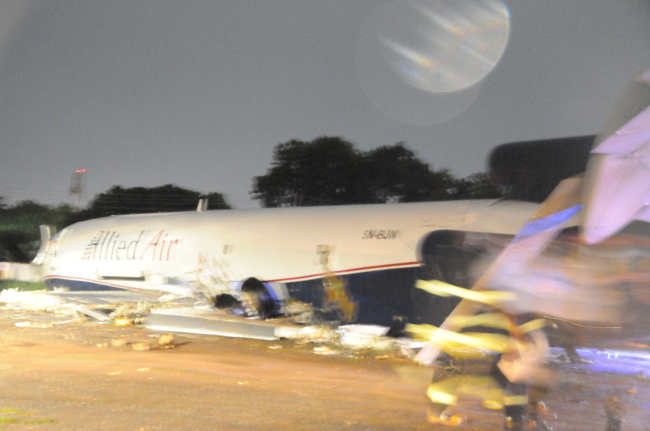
x: 358, y: 263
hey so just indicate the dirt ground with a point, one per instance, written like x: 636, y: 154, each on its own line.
x: 71, y: 377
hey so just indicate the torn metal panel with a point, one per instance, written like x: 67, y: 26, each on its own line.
x: 210, y: 323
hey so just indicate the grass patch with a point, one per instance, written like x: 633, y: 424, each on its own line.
x: 37, y: 421
x: 8, y: 420
x: 23, y: 286
x: 13, y: 412
x: 20, y: 417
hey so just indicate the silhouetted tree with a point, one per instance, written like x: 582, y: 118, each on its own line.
x: 19, y: 228
x: 134, y: 200
x: 330, y: 171
x: 321, y: 172
x: 476, y: 186
x: 394, y: 173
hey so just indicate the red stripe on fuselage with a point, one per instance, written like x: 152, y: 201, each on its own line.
x: 347, y: 271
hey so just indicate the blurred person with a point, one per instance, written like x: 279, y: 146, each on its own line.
x: 492, y: 355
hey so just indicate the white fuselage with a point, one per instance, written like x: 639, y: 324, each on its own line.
x: 274, y: 245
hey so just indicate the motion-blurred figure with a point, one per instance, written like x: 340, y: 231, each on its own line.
x: 493, y: 355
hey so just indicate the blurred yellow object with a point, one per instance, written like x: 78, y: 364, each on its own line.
x: 440, y: 288
x: 492, y: 404
x: 485, y: 388
x: 467, y: 345
x: 123, y: 321
x: 450, y: 421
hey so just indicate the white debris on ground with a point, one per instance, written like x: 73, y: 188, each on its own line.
x: 30, y: 301
x: 325, y: 351
x: 123, y: 308
x: 15, y: 299
x: 365, y: 337
x: 126, y: 309
x: 308, y: 334
x: 349, y: 338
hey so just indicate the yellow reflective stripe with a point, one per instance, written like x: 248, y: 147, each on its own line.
x: 492, y: 320
x: 440, y: 288
x: 515, y: 400
x: 533, y: 325
x: 442, y: 337
x: 492, y: 405
x: 441, y: 397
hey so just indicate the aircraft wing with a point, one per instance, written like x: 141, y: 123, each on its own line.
x: 617, y: 182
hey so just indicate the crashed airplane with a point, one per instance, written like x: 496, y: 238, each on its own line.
x: 358, y: 262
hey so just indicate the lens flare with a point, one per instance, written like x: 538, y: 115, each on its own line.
x: 445, y: 46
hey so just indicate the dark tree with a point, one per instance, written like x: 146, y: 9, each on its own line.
x: 394, y: 174
x: 321, y: 172
x: 19, y: 228
x: 134, y: 200
x: 476, y: 186
x: 330, y: 171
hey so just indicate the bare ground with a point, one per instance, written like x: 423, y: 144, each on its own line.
x: 69, y: 377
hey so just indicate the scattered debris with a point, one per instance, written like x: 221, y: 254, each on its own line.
x: 119, y: 342
x: 165, y: 339
x: 135, y: 312
x: 32, y: 325
x: 102, y: 345
x: 275, y: 347
x: 90, y: 313
x: 300, y: 312
x: 144, y: 369
x: 374, y: 330
x: 325, y: 351
x: 141, y: 347
x: 114, y: 373
x: 123, y: 321
x: 365, y: 337
x: 209, y: 322
x: 38, y: 300
x: 30, y: 301
x: 308, y: 334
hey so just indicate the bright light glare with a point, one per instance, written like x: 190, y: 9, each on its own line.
x: 444, y: 46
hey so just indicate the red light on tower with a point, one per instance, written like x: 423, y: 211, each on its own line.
x: 77, y: 185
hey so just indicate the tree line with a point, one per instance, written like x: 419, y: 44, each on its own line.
x: 324, y: 171
x: 331, y: 171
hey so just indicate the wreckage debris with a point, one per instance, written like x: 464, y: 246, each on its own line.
x: 32, y: 325
x: 119, y: 342
x: 107, y: 308
x: 123, y: 321
x: 165, y: 339
x: 325, y: 351
x: 141, y: 347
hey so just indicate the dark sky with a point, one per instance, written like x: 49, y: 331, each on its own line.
x: 198, y: 92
